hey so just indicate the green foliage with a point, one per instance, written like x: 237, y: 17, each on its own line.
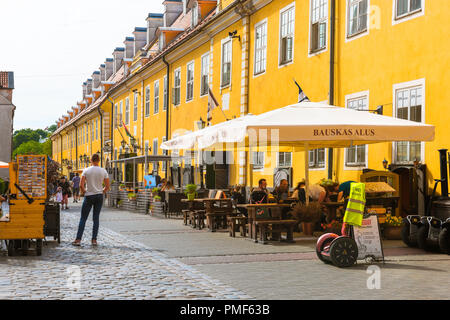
x: 190, y: 188
x: 30, y: 147
x: 25, y: 135
x: 52, y: 128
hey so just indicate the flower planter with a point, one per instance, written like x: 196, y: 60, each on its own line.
x: 191, y: 196
x: 308, y: 228
x: 392, y: 233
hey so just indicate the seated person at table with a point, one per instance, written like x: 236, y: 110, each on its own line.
x: 317, y: 193
x: 168, y: 186
x: 238, y: 197
x: 344, y: 190
x: 260, y: 194
x: 299, y: 192
x: 281, y: 192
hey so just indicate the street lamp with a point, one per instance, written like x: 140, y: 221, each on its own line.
x: 200, y: 123
x: 123, y: 144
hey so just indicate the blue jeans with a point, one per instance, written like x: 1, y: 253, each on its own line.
x: 95, y: 201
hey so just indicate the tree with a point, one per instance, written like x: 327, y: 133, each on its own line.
x: 47, y: 147
x: 29, y: 147
x: 52, y: 128
x: 24, y: 135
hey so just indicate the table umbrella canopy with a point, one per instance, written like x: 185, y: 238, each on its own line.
x: 190, y: 139
x: 317, y: 125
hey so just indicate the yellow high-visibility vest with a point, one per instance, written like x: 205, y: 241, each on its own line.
x: 356, y: 204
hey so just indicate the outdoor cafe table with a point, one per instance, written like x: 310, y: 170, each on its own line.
x: 216, y: 211
x: 251, y: 209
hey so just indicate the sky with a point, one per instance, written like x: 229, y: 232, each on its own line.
x: 53, y: 46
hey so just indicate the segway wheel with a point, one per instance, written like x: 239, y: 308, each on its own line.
x: 444, y: 240
x: 406, y: 237
x: 344, y: 252
x: 422, y: 235
x: 324, y: 241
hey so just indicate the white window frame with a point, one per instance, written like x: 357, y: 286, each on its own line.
x: 358, y: 34
x: 116, y: 110
x: 156, y: 97
x: 135, y: 106
x: 165, y: 152
x: 190, y: 82
x: 284, y: 165
x: 127, y: 111
x: 147, y: 101
x: 403, y: 86
x: 165, y: 93
x: 96, y: 129
x: 312, y: 53
x: 348, y: 98
x: 195, y: 14
x: 204, y: 72
x: 121, y: 113
x: 175, y: 86
x: 223, y: 42
x: 260, y: 155
x: 282, y: 63
x: 262, y: 24
x: 155, y: 150
x: 316, y: 167
x: 407, y: 16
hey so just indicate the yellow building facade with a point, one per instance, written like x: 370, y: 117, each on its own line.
x: 379, y: 53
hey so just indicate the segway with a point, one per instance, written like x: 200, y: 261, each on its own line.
x: 341, y: 251
x: 428, y: 234
x: 410, y: 228
x: 444, y: 237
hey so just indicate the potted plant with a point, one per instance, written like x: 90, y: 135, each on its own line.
x: 131, y: 196
x: 157, y: 198
x: 307, y: 215
x: 392, y: 227
x: 156, y: 191
x: 191, y: 191
x: 332, y: 227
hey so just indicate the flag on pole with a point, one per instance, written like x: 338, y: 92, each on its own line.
x: 302, y: 97
x: 212, y: 104
x: 126, y: 130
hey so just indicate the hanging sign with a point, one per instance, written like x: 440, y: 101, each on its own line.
x: 368, y: 239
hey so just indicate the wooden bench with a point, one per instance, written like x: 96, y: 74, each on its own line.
x: 262, y: 228
x: 197, y: 218
x: 237, y: 222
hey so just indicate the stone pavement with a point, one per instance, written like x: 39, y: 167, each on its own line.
x: 119, y: 268
x: 144, y: 257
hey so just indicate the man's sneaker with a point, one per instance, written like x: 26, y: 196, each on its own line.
x: 77, y: 243
x: 94, y: 243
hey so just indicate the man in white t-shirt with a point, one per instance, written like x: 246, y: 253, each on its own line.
x: 94, y: 183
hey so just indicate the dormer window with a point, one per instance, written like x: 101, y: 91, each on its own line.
x: 195, y: 14
x: 161, y: 41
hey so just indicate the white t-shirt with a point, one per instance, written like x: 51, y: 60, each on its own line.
x: 315, y: 190
x: 95, y: 176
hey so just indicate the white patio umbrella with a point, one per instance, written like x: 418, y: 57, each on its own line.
x: 311, y: 125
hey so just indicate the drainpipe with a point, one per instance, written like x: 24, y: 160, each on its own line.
x: 167, y: 106
x: 112, y: 127
x: 101, y: 135
x: 332, y: 58
x: 76, y: 145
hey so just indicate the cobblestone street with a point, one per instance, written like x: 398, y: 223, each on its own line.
x: 144, y: 257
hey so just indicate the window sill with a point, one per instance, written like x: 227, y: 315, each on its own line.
x: 356, y: 35
x: 408, y: 16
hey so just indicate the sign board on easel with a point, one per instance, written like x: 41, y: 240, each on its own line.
x: 368, y: 239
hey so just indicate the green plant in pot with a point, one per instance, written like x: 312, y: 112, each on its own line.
x: 131, y: 196
x: 191, y: 191
x: 156, y: 191
x: 157, y: 198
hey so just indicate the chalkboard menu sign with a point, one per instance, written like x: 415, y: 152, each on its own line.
x: 32, y: 176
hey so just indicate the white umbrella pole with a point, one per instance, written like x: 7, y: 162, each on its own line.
x: 307, y: 172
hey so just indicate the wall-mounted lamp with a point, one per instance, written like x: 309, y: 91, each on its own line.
x: 234, y: 35
x: 200, y: 123
x: 385, y: 164
x: 136, y: 91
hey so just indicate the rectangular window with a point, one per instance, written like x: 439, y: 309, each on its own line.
x: 357, y: 17
x: 165, y: 93
x: 317, y: 158
x: 204, y: 86
x: 135, y: 107
x: 147, y: 101
x: 258, y: 160
x: 177, y: 87
x: 121, y: 113
x: 127, y: 111
x: 356, y: 155
x: 319, y: 14
x: 155, y: 146
x: 260, y: 47
x: 409, y: 103
x: 116, y: 116
x: 284, y: 159
x: 96, y: 129
x: 87, y: 133
x: 195, y: 14
x: 226, y: 63
x: 287, y: 25
x: 190, y: 81
x: 164, y: 139
x: 156, y: 101
x: 407, y: 7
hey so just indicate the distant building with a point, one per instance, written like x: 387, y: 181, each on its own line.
x: 6, y: 114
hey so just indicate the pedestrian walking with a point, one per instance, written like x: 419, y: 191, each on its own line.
x: 76, y: 187
x: 66, y: 192
x: 94, y: 183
